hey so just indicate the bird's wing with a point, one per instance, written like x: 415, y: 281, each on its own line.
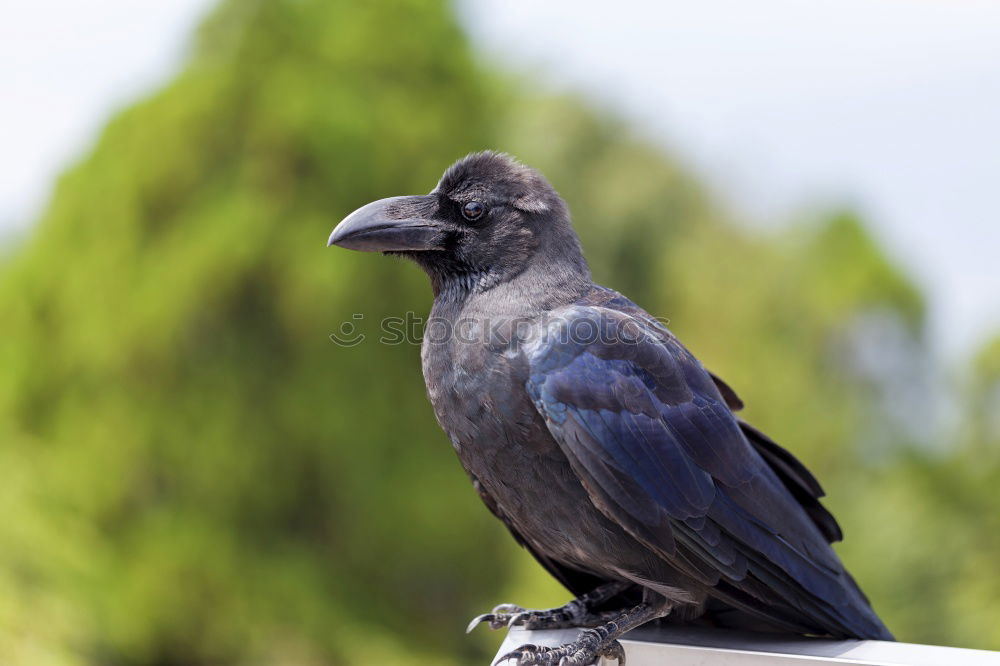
x: 659, y: 451
x: 799, y: 480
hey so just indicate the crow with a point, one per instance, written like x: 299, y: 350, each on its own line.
x: 599, y: 440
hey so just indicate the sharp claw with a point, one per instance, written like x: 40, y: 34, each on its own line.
x: 518, y: 653
x: 476, y: 620
x: 498, y: 618
x: 495, y: 620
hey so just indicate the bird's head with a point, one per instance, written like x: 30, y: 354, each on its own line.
x: 488, y: 220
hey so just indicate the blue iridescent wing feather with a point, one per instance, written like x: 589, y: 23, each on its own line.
x: 661, y: 452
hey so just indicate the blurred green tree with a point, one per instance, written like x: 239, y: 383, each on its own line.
x: 195, y: 473
x: 937, y: 560
x: 204, y: 477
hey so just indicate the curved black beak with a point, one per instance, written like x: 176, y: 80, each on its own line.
x: 395, y: 224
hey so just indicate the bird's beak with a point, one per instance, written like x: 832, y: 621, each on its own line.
x: 395, y: 224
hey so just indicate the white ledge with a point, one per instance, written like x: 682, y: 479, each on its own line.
x: 689, y: 646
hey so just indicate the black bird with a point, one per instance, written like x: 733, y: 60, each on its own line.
x: 605, y: 447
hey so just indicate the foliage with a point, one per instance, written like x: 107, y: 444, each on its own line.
x: 194, y: 473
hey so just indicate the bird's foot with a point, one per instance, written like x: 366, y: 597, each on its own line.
x: 577, y: 613
x: 571, y: 615
x: 584, y: 651
x: 601, y: 641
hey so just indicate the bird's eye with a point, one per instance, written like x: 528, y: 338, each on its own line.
x: 473, y: 210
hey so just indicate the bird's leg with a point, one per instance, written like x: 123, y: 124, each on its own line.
x: 601, y: 641
x: 577, y: 613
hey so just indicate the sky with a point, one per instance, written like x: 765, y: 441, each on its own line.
x: 889, y: 106
x: 67, y: 65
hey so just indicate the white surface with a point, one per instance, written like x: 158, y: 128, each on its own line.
x: 677, y: 646
x: 66, y: 66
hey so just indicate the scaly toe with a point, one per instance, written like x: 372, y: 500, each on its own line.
x: 571, y: 654
x: 518, y: 618
x: 579, y: 658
